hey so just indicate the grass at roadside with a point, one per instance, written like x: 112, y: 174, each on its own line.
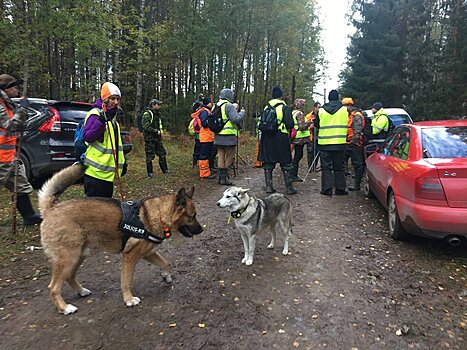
x: 135, y: 184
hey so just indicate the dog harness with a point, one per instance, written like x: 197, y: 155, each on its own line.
x: 131, y: 225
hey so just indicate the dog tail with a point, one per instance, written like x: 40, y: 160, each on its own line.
x: 58, y: 183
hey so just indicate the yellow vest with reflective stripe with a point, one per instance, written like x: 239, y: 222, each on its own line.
x: 333, y: 127
x: 99, y: 159
x: 152, y: 120
x: 279, y: 114
x: 229, y: 127
x: 300, y: 134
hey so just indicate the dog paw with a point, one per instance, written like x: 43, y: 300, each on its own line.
x: 133, y: 301
x: 243, y: 260
x: 85, y: 292
x: 69, y: 309
x: 249, y: 262
x: 285, y: 252
x: 166, y: 277
x: 271, y: 246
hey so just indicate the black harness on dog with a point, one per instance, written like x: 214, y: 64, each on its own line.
x: 131, y: 225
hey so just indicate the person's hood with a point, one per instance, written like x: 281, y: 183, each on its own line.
x: 98, y: 103
x: 226, y: 94
x: 332, y: 106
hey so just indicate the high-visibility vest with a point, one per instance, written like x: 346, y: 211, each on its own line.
x: 99, y: 159
x: 152, y: 119
x: 229, y: 127
x: 279, y: 105
x: 205, y: 134
x: 300, y: 134
x: 333, y: 127
x: 7, y: 140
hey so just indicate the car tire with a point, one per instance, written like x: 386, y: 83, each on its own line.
x: 396, y: 231
x: 366, y: 186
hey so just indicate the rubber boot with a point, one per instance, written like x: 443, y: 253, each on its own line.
x: 163, y: 165
x: 223, y: 177
x: 288, y: 182
x: 23, y: 203
x: 295, y: 177
x: 268, y: 177
x: 149, y: 169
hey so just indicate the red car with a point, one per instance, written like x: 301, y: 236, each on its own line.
x: 419, y: 174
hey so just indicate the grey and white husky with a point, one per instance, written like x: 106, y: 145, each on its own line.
x: 252, y: 214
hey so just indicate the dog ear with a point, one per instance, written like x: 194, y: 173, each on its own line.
x: 244, y: 190
x: 190, y: 192
x: 181, y: 197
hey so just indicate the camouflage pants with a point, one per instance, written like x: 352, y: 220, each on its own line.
x: 153, y: 148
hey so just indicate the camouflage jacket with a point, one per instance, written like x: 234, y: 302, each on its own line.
x: 20, y: 115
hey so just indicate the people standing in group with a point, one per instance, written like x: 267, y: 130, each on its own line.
x: 227, y: 139
x: 12, y: 119
x: 311, y: 147
x: 354, y: 148
x: 152, y: 132
x: 275, y: 146
x: 380, y: 122
x: 104, y: 159
x: 195, y: 129
x: 301, y: 135
x: 331, y: 123
x: 206, y: 139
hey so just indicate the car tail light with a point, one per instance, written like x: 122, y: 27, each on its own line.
x: 429, y: 188
x: 53, y: 124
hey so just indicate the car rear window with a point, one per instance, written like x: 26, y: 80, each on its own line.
x: 399, y: 119
x: 445, y: 142
x: 72, y: 114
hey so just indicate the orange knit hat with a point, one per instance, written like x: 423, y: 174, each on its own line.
x: 109, y: 89
x: 347, y: 101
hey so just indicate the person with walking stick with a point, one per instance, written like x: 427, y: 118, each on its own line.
x: 12, y: 120
x: 104, y: 159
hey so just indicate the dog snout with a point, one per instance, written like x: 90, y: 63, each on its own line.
x: 219, y: 203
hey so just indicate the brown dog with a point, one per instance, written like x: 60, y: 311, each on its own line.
x: 70, y: 228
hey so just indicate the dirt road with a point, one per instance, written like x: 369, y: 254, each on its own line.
x: 344, y: 285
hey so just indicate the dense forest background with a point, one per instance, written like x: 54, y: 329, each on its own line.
x: 409, y: 53
x: 169, y: 49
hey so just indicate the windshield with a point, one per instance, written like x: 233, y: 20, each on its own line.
x: 444, y: 142
x: 399, y: 119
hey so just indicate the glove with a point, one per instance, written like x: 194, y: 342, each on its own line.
x: 124, y: 168
x: 24, y: 102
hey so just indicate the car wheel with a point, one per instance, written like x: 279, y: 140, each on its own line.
x: 366, y: 186
x: 396, y: 231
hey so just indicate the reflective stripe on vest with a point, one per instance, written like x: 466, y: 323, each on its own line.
x: 333, y: 127
x: 279, y: 114
x: 300, y: 134
x: 98, y: 158
x: 152, y: 120
x: 7, y: 140
x: 229, y: 127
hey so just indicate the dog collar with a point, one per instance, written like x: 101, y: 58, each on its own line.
x: 237, y: 214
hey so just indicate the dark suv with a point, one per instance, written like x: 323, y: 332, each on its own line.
x: 48, y: 142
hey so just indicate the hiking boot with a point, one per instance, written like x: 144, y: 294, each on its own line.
x: 223, y: 175
x: 341, y: 193
x: 268, y: 178
x: 327, y: 192
x: 23, y: 203
x: 288, y: 182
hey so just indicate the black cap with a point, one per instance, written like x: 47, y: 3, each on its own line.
x: 333, y: 95
x: 377, y: 106
x: 155, y: 101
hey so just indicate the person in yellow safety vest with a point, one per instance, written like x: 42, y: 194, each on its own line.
x: 227, y: 139
x: 275, y: 145
x: 354, y: 148
x: 302, y: 136
x: 380, y: 122
x: 152, y: 132
x: 331, y: 123
x: 104, y: 154
x: 12, y: 120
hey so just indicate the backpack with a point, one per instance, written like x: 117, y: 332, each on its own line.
x: 139, y: 122
x: 391, y: 126
x: 215, y: 121
x: 268, y: 120
x: 367, y: 131
x: 80, y: 145
x: 191, y: 128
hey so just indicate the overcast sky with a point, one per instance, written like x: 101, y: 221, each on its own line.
x: 334, y: 39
